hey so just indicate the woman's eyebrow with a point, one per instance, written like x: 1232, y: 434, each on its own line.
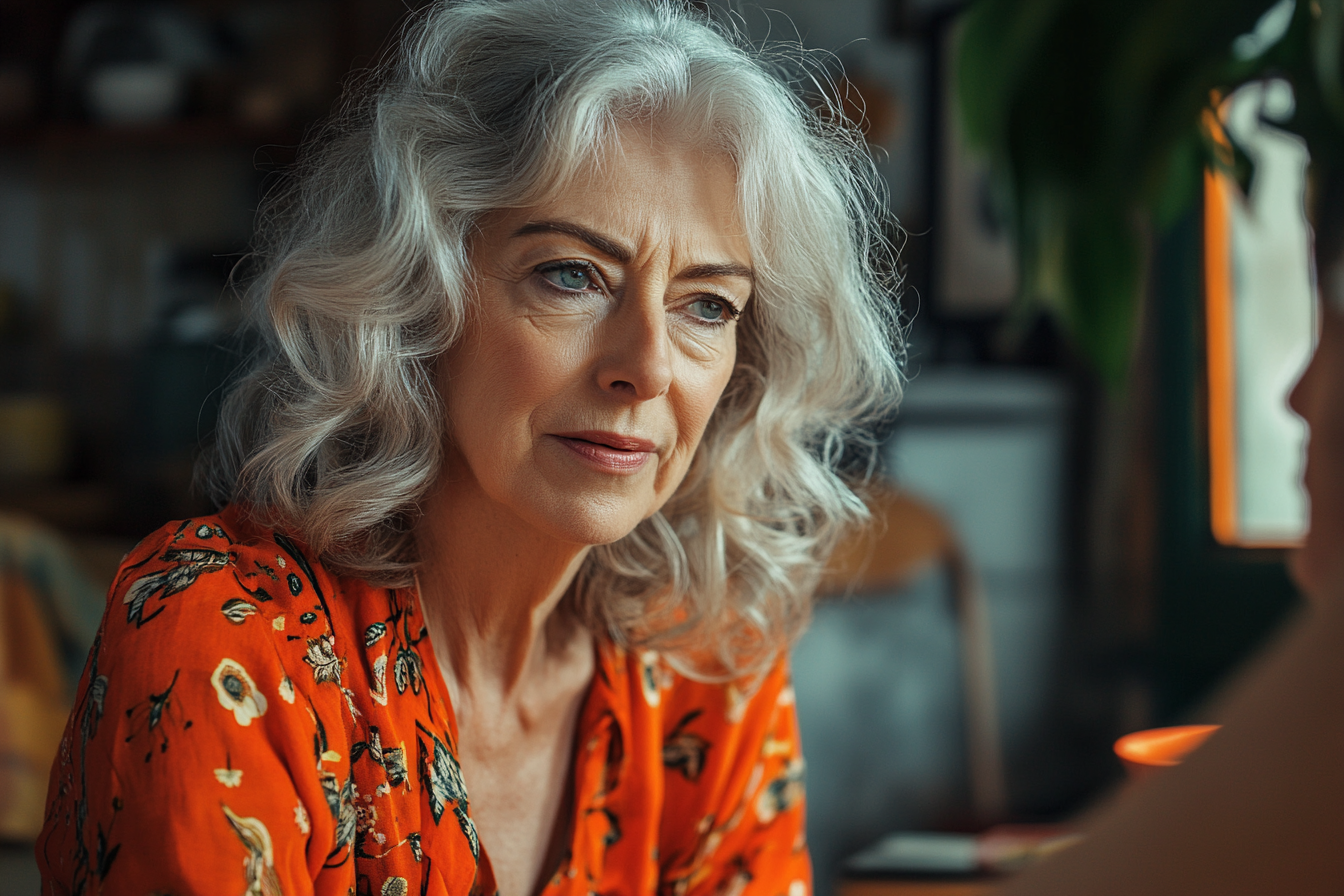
x: 615, y: 250
x: 605, y: 245
x: 710, y: 271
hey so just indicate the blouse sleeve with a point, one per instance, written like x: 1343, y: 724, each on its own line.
x: 735, y: 783
x: 190, y: 764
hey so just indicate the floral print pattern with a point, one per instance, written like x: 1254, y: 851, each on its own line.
x: 333, y: 766
x: 238, y: 692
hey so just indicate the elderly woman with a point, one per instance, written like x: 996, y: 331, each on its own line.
x: 572, y: 322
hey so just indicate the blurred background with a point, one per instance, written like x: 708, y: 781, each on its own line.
x: 1078, y: 547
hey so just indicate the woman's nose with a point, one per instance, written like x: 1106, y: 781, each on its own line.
x: 1298, y: 397
x: 635, y: 348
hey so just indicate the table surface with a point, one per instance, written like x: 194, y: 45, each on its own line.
x: 981, y: 887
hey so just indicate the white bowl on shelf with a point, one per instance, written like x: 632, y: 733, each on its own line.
x: 135, y: 93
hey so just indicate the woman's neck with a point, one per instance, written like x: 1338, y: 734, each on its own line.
x: 492, y: 590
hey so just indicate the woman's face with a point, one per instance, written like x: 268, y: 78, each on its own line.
x: 604, y: 335
x: 1318, y: 566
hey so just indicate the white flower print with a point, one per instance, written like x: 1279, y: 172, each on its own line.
x: 286, y: 690
x: 737, y: 699
x: 238, y: 692
x: 781, y: 794
x: 322, y: 657
x: 652, y: 676
x: 379, y: 690
x: 260, y: 862
x: 301, y: 819
x: 229, y: 777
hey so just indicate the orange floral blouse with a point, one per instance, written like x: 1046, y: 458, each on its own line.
x: 249, y: 723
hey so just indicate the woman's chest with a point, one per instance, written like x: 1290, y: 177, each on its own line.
x: 422, y: 810
x: 418, y: 798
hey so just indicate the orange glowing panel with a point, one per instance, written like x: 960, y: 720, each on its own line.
x: 1220, y: 352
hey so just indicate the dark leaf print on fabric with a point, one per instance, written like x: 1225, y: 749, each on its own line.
x: 292, y: 549
x: 685, y: 751
x: 346, y: 816
x: 611, y: 835
x: 615, y: 760
x: 441, y: 778
x: 104, y: 856
x: 404, y: 633
x: 407, y: 672
x: 322, y: 657
x: 331, y: 789
x: 192, y: 563
x: 154, y: 707
x: 158, y: 702
x: 374, y: 633
x: 392, y: 759
x: 372, y: 745
x: 394, y: 762
x: 93, y: 708
x: 440, y: 774
x: 86, y: 866
x: 468, y: 830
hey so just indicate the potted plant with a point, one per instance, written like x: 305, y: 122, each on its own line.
x: 1093, y: 118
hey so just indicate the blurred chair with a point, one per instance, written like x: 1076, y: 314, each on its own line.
x: 905, y: 539
x: 894, y: 676
x: 48, y: 614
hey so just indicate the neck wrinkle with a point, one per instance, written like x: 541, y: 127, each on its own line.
x: 492, y: 592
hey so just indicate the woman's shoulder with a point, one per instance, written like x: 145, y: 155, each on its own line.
x: 183, y: 567
x: 207, y: 689
x: 684, y: 698
x: 211, y: 587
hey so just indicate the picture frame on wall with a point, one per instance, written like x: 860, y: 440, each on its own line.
x: 974, y: 255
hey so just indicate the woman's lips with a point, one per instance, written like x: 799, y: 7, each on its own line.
x: 609, y: 450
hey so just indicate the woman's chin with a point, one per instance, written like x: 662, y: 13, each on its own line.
x: 590, y: 525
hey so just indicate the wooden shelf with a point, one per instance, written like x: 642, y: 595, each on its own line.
x: 186, y: 133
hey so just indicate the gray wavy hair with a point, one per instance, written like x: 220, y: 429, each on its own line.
x: 362, y: 282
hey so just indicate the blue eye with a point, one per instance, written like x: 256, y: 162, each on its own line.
x: 570, y: 276
x: 712, y: 311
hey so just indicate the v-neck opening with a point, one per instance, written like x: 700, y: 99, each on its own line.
x: 573, y: 806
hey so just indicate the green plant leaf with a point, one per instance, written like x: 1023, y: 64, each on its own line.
x: 1104, y: 264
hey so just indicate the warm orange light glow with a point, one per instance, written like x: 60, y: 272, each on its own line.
x: 1220, y: 352
x: 1143, y: 752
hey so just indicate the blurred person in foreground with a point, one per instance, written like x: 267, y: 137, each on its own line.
x: 1259, y: 808
x: 572, y: 319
